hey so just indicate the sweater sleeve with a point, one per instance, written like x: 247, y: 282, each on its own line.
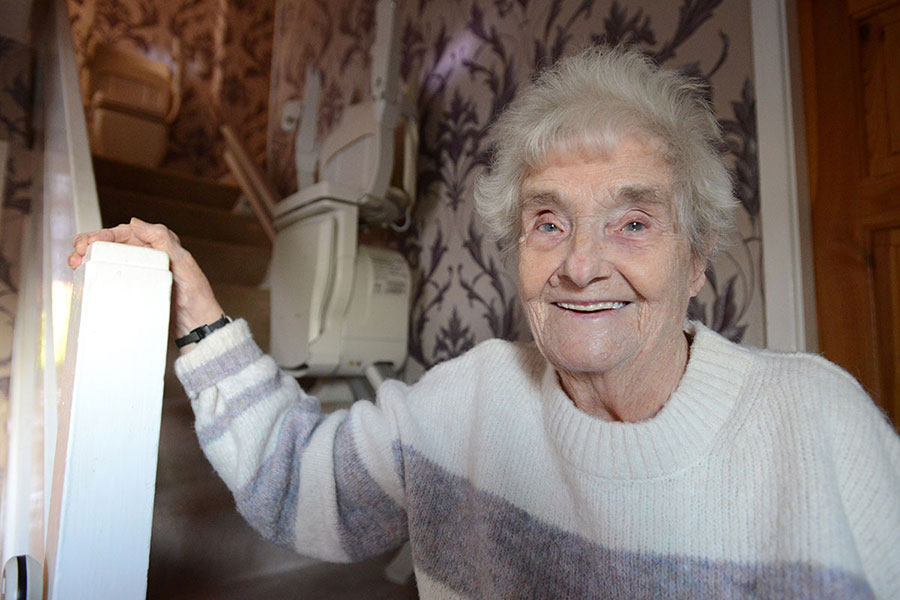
x: 867, y: 459
x: 329, y: 486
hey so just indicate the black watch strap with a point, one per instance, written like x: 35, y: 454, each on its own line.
x: 201, y: 332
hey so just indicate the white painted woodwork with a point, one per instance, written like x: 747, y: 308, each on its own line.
x: 70, y: 204
x: 101, y: 508
x: 64, y: 201
x: 23, y: 531
x: 65, y: 135
x: 789, y: 286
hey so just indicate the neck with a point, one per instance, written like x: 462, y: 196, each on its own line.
x: 634, y: 393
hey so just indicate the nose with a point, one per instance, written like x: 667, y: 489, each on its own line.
x: 586, y: 258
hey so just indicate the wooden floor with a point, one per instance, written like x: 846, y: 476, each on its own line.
x: 318, y: 581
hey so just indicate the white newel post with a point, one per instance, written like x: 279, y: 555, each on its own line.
x: 104, y: 474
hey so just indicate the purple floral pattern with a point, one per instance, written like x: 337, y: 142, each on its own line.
x: 465, y: 60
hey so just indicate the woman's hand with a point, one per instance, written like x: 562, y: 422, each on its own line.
x: 193, y: 299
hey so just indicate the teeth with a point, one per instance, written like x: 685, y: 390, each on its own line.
x: 591, y: 307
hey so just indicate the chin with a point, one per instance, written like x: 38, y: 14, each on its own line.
x: 582, y: 359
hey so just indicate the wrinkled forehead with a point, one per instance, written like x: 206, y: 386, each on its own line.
x: 625, y: 169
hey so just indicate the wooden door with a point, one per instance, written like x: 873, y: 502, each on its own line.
x: 850, y: 53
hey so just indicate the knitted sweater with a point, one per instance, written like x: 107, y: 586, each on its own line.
x: 765, y: 475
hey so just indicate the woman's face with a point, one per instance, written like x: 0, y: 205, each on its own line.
x: 605, y: 273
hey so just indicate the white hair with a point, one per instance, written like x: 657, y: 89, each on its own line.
x: 589, y: 101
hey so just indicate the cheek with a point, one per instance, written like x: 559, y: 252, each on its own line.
x: 681, y: 281
x: 665, y: 275
x: 535, y: 270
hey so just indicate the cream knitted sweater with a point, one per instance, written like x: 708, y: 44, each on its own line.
x: 765, y: 475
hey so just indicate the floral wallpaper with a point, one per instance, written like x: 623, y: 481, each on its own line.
x: 226, y: 47
x: 465, y: 60
x: 16, y: 191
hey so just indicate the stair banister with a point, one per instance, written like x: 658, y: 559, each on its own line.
x: 101, y: 509
x: 64, y: 200
x: 114, y: 432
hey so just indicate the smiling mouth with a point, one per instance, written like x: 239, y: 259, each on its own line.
x: 592, y: 307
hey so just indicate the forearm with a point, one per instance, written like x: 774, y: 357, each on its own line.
x: 281, y: 458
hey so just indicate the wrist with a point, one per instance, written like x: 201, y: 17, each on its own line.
x: 201, y: 332
x: 194, y: 308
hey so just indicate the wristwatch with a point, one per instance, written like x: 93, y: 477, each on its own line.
x: 201, y: 332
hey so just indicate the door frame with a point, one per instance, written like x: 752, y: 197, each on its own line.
x: 788, y: 273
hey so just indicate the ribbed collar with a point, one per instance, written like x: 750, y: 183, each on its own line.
x: 677, y: 437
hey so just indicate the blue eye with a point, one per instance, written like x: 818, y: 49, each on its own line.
x: 548, y: 227
x: 635, y: 226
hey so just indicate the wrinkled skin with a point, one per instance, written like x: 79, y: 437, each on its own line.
x: 193, y: 301
x: 606, y: 274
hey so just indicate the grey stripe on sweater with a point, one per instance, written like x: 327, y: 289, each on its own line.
x: 370, y: 522
x: 269, y: 501
x: 210, y: 373
x: 482, y: 546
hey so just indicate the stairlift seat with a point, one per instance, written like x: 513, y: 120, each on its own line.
x: 350, y: 159
x: 288, y: 210
x: 130, y: 98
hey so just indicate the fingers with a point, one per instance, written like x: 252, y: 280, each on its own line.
x: 194, y: 301
x: 134, y: 233
x: 152, y: 235
x: 83, y: 240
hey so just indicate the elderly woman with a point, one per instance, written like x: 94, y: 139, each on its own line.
x: 626, y: 452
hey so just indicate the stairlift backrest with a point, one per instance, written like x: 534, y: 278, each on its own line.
x: 350, y: 154
x: 364, y: 161
x: 318, y: 270
x: 305, y: 157
x: 357, y: 159
x: 125, y: 80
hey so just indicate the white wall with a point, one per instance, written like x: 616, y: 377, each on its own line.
x: 784, y: 195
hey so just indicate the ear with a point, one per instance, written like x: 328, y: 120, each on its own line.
x: 699, y: 265
x: 698, y: 274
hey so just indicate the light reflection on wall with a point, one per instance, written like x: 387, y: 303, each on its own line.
x: 61, y: 299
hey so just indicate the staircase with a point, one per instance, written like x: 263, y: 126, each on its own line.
x: 201, y: 547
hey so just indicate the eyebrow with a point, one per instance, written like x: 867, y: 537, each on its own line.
x: 638, y: 195
x: 540, y: 198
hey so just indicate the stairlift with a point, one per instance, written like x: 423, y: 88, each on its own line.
x: 338, y: 307
x: 130, y: 98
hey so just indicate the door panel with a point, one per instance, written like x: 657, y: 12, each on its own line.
x: 851, y: 78
x: 886, y: 279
